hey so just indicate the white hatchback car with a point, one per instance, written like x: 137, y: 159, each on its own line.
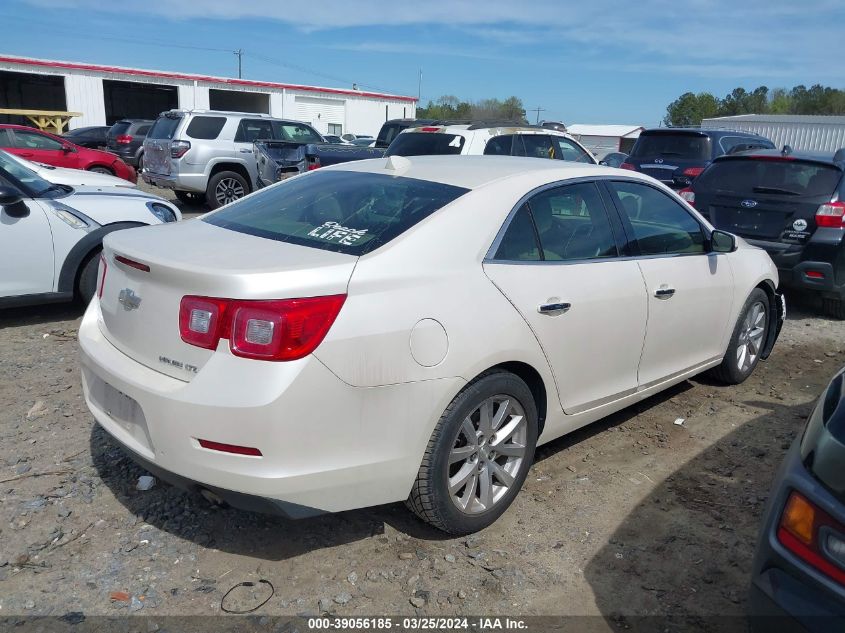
x: 410, y: 329
x: 51, y: 233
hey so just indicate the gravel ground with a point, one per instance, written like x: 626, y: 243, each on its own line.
x: 633, y: 515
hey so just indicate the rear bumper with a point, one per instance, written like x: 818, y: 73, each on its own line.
x: 786, y: 593
x: 326, y: 446
x: 799, y: 266
x: 195, y: 183
x: 129, y: 155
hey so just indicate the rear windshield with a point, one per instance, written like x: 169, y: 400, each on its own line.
x: 687, y: 146
x: 119, y: 128
x: 164, y: 127
x: 425, y: 144
x: 388, y: 132
x: 745, y: 176
x: 341, y: 211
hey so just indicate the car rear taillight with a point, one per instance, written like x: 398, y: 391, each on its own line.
x: 429, y: 129
x: 831, y: 215
x: 123, y: 139
x: 688, y: 195
x: 692, y: 172
x: 313, y: 163
x: 179, y: 148
x: 813, y: 536
x: 627, y: 166
x: 101, y: 276
x: 277, y: 330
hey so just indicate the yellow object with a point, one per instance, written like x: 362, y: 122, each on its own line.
x: 799, y: 517
x: 53, y: 121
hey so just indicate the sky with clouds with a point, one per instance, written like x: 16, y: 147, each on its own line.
x: 604, y: 61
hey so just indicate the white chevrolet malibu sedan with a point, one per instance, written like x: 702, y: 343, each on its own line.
x: 410, y: 329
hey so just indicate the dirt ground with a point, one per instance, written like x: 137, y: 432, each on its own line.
x: 634, y: 515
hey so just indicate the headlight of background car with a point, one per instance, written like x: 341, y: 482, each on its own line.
x: 162, y: 212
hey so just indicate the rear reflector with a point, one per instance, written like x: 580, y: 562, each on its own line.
x: 831, y: 215
x: 131, y: 263
x: 230, y: 448
x: 277, y: 330
x: 814, y: 274
x: 627, y: 166
x: 101, y: 276
x: 806, y: 531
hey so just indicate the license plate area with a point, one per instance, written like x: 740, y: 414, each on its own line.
x: 123, y: 410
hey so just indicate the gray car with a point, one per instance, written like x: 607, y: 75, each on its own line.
x: 126, y: 139
x: 207, y: 155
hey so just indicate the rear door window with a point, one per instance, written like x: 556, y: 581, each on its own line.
x: 533, y: 146
x: 747, y: 176
x: 687, y: 146
x: 164, y: 128
x: 142, y: 130
x: 206, y: 128
x: 341, y: 211
x: 661, y: 226
x: 425, y: 144
x: 251, y: 130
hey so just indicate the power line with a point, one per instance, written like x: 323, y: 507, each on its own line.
x: 538, y: 110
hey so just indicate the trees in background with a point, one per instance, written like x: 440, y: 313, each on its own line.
x: 452, y: 108
x: 690, y: 108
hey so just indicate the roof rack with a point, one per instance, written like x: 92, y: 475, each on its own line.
x: 480, y: 125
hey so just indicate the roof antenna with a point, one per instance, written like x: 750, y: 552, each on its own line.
x: 786, y: 151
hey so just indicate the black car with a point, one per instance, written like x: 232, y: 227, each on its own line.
x: 798, y: 580
x: 791, y: 205
x: 392, y: 127
x: 675, y: 156
x: 93, y: 137
x: 126, y: 139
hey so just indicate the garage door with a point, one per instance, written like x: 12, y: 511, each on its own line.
x: 320, y: 112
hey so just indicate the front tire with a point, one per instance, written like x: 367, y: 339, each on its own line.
x: 99, y: 169
x: 747, y: 341
x: 225, y: 187
x: 834, y: 307
x: 86, y: 285
x: 478, y: 456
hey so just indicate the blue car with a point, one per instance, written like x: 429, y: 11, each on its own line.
x: 798, y: 581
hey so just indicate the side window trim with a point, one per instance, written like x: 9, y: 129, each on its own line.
x: 610, y: 212
x: 629, y: 228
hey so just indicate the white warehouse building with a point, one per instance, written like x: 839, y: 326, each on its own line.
x: 105, y: 94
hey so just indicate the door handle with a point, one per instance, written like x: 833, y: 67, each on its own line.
x: 554, y: 309
x: 246, y: 151
x: 664, y: 292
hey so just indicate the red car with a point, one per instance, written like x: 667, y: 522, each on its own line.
x: 42, y: 147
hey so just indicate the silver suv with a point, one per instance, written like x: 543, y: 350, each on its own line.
x: 208, y: 154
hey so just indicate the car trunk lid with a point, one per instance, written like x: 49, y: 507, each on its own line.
x: 764, y: 198
x: 142, y: 290
x: 157, y: 144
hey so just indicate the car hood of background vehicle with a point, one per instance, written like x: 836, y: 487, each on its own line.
x: 106, y: 205
x: 80, y: 177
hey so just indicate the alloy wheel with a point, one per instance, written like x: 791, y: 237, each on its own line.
x: 751, y: 336
x: 488, y: 454
x: 228, y: 190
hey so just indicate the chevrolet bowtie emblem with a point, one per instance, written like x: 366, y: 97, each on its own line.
x: 128, y: 299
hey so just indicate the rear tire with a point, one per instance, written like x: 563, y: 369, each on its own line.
x: 99, y: 169
x: 748, y: 339
x: 493, y: 460
x: 225, y: 187
x: 86, y: 284
x: 140, y: 166
x: 834, y: 307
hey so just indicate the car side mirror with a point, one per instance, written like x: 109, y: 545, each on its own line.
x: 67, y: 149
x: 603, y: 162
x: 11, y: 200
x: 722, y: 242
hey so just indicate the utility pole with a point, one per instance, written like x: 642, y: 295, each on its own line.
x: 419, y: 87
x: 538, y: 110
x: 240, y: 55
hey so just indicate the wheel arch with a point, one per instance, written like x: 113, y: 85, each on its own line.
x: 238, y: 168
x: 535, y: 383
x: 776, y: 315
x: 83, y: 249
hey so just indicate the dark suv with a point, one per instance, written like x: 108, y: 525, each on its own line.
x: 792, y: 204
x: 675, y: 156
x: 126, y: 139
